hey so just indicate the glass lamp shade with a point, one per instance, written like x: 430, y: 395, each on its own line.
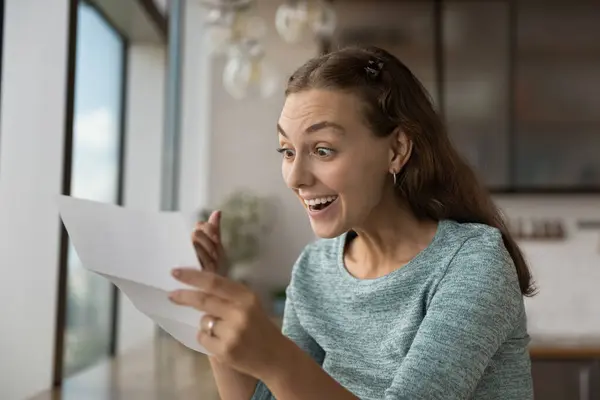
x: 249, y: 26
x: 291, y: 21
x: 218, y: 30
x: 250, y: 75
x: 226, y: 27
x: 322, y: 19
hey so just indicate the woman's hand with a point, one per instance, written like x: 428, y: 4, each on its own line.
x: 209, y: 248
x: 235, y: 328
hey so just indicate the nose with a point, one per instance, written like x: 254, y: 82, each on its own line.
x: 297, y: 173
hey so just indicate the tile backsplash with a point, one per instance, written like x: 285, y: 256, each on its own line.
x: 567, y: 275
x: 524, y: 228
x: 566, y: 267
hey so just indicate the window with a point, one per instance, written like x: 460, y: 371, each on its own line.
x: 96, y: 170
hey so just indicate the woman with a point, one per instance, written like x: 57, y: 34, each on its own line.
x: 415, y: 290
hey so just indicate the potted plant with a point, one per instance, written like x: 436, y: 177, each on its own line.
x: 244, y: 223
x: 278, y: 298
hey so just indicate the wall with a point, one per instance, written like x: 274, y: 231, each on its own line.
x: 32, y: 127
x: 196, y: 115
x: 145, y: 131
x: 242, y: 151
x: 244, y: 139
x: 144, y: 135
x: 566, y: 272
x: 31, y: 158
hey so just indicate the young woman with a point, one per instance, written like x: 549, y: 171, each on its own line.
x: 415, y: 290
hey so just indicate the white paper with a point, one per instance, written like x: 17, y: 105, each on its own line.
x: 136, y: 251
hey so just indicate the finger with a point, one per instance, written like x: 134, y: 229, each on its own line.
x: 206, y: 243
x: 218, y: 325
x: 211, y: 283
x: 206, y: 261
x: 211, y: 231
x: 212, y: 344
x: 209, y: 304
x: 215, y: 221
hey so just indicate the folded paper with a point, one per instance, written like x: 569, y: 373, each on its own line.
x: 136, y: 250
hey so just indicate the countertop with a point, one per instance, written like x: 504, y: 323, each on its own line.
x: 564, y: 347
x: 156, y: 370
x: 165, y: 369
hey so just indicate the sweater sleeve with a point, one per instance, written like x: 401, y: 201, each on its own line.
x: 474, y: 309
x: 294, y: 330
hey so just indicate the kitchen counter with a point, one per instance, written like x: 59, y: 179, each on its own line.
x: 165, y: 369
x: 156, y: 370
x: 564, y: 348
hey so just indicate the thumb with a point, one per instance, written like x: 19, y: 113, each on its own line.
x: 215, y: 220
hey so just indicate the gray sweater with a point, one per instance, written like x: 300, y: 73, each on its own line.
x: 450, y: 324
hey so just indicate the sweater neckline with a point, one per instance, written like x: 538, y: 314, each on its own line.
x: 417, y: 259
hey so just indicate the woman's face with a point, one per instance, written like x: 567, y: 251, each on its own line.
x: 333, y: 162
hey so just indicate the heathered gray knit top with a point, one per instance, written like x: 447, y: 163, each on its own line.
x: 448, y: 325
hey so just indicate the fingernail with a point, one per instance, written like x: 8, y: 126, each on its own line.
x: 172, y: 296
x: 176, y: 273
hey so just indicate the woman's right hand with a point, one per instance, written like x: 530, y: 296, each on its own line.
x: 209, y: 248
x: 206, y: 237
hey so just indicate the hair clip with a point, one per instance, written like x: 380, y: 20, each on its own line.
x: 374, y: 67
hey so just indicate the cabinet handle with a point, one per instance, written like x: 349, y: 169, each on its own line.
x: 584, y: 383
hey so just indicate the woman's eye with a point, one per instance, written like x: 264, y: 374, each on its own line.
x: 287, y: 153
x: 324, y: 152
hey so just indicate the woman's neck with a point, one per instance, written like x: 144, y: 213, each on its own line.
x: 390, y: 238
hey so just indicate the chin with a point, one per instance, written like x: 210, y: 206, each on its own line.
x: 327, y: 230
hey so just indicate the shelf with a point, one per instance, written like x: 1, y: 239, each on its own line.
x: 546, y: 191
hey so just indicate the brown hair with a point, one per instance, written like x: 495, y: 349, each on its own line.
x: 435, y: 182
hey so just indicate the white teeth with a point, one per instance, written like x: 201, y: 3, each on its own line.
x: 320, y: 200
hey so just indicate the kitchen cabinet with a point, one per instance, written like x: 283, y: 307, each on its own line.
x: 516, y: 81
x: 565, y: 368
x: 476, y: 85
x: 556, y: 97
x: 566, y: 379
x: 520, y: 102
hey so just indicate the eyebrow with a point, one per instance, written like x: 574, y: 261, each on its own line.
x: 317, y: 127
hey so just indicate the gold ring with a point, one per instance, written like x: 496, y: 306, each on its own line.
x: 211, y: 326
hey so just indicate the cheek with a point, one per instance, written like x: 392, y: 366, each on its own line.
x: 286, y: 169
x: 332, y: 175
x: 364, y: 183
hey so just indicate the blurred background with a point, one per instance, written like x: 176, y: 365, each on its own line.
x: 171, y: 105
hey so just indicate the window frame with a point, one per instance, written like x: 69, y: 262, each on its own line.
x: 61, y: 315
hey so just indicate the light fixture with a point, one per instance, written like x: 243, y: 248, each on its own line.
x: 224, y: 4
x: 229, y: 22
x: 295, y: 18
x: 218, y: 30
x: 322, y: 19
x: 248, y: 74
x: 291, y: 20
x: 248, y: 25
x: 234, y: 28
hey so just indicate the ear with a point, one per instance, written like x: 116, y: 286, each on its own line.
x: 400, y: 150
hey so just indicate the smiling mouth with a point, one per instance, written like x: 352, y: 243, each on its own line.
x: 320, y: 204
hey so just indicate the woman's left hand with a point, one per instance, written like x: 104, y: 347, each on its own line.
x: 242, y: 334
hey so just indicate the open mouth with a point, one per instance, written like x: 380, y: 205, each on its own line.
x: 320, y: 203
